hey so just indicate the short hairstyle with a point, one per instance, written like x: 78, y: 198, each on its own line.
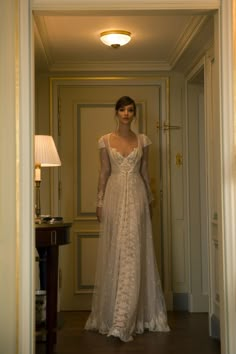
x: 125, y: 101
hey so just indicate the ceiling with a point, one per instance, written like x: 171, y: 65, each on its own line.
x: 160, y: 40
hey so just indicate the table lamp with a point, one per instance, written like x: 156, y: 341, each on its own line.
x: 46, y: 155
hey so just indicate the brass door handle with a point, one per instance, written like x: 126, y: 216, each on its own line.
x: 167, y: 126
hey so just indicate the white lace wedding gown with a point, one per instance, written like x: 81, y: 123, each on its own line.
x: 128, y: 297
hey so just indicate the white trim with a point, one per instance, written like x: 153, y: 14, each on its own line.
x: 228, y: 260
x: 208, y: 113
x: 110, y: 66
x: 74, y: 5
x: 194, y: 27
x: 202, y: 299
x: 26, y: 339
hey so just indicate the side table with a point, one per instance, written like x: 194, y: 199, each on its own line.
x: 51, y: 236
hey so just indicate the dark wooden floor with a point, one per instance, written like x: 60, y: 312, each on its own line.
x: 189, y: 334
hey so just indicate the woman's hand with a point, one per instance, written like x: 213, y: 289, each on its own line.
x: 99, y: 213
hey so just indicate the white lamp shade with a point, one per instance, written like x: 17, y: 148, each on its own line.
x: 115, y: 38
x: 46, y: 154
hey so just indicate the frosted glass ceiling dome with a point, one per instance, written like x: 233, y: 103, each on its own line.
x: 115, y: 38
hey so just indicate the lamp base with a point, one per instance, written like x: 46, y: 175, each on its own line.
x: 38, y: 220
x: 37, y: 203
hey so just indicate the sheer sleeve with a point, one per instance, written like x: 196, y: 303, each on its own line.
x: 144, y: 167
x: 145, y: 140
x: 104, y: 172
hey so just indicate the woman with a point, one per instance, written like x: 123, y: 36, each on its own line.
x: 128, y: 297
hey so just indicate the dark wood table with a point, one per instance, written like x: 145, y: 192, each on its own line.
x: 50, y: 237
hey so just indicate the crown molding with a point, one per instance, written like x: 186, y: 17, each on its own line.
x: 42, y: 38
x: 193, y: 27
x: 110, y: 66
x: 125, y: 5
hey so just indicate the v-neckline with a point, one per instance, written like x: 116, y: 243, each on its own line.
x: 124, y: 157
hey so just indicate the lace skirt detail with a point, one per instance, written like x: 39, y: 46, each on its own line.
x: 128, y: 296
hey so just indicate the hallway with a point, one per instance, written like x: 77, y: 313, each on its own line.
x: 189, y: 334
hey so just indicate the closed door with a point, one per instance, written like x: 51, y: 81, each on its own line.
x: 86, y: 113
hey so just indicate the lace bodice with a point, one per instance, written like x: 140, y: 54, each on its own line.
x: 113, y: 162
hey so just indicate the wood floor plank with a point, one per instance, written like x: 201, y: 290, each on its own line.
x: 189, y: 334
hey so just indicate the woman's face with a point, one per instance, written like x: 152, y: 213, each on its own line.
x: 125, y: 114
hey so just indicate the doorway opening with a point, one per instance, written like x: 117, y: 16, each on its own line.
x: 197, y: 302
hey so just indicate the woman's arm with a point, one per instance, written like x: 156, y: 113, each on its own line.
x: 103, y: 177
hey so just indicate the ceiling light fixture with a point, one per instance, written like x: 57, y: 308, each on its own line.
x: 115, y: 38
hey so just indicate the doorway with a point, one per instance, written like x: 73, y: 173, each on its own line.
x: 204, y: 228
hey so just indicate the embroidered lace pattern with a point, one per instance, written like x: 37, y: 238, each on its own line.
x: 128, y: 296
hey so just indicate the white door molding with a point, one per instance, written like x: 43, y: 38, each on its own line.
x: 228, y: 260
x: 16, y: 179
x: 197, y: 189
x: 74, y: 5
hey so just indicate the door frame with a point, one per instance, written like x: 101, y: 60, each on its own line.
x: 200, y: 66
x: 227, y: 257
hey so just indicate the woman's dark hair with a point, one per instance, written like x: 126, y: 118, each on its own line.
x: 125, y: 101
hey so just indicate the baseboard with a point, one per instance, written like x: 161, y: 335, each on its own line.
x: 180, y: 302
x: 215, y: 327
x: 169, y: 301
